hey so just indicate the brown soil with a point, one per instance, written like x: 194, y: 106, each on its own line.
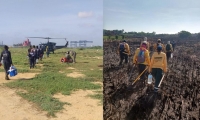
x: 13, y: 107
x: 82, y: 107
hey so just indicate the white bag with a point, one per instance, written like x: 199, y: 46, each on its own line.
x: 171, y: 55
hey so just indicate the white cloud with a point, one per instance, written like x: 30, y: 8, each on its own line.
x: 85, y: 14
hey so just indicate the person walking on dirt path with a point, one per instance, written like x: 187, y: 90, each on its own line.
x: 157, y: 66
x: 168, y: 50
x: 158, y: 43
x: 35, y: 53
x: 7, y: 60
x: 124, y: 52
x: 31, y: 56
x: 29, y: 50
x: 141, y: 58
x: 173, y: 45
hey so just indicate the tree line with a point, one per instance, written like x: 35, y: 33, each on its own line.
x: 120, y: 34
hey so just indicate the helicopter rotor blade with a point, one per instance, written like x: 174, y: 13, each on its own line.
x: 35, y: 37
x: 46, y: 38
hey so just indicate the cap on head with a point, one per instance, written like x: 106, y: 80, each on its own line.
x: 159, y: 40
x: 144, y: 42
x: 124, y: 40
x: 145, y: 38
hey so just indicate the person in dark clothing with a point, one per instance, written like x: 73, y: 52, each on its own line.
x: 173, y: 45
x: 31, y: 56
x: 37, y: 53
x: 41, y: 53
x: 29, y: 50
x: 123, y: 51
x: 7, y: 60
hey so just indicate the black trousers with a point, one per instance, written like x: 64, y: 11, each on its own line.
x: 157, y: 74
x: 141, y: 68
x: 122, y: 57
x: 32, y: 63
x: 168, y: 54
x: 6, y: 67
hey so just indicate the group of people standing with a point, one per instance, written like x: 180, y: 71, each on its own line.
x: 35, y: 54
x: 155, y: 64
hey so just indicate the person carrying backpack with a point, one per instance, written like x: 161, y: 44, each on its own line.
x: 123, y: 51
x: 157, y: 66
x: 169, y: 50
x: 173, y: 45
x: 157, y: 44
x: 141, y: 58
x: 7, y: 60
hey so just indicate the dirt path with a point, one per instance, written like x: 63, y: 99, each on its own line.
x: 13, y: 107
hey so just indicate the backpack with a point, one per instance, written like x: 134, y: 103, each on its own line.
x: 168, y: 48
x: 141, y: 56
x: 122, y: 47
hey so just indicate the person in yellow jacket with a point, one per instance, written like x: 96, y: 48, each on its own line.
x: 123, y: 51
x: 169, y: 50
x: 158, y: 43
x: 148, y: 45
x: 141, y: 58
x: 157, y: 66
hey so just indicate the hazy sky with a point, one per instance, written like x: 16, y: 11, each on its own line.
x: 161, y: 16
x: 71, y: 19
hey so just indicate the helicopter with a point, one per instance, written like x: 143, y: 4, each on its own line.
x: 51, y: 45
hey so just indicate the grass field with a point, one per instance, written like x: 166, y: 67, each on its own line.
x: 54, y: 77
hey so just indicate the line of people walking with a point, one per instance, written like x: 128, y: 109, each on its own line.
x: 156, y: 63
x: 35, y: 54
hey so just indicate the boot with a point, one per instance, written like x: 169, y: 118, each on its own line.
x: 6, y: 77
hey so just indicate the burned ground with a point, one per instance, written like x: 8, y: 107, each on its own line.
x: 178, y: 97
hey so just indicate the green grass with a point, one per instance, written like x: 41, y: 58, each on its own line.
x: 51, y: 80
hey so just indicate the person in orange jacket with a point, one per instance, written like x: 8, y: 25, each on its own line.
x: 158, y: 65
x: 141, y: 58
x: 123, y: 51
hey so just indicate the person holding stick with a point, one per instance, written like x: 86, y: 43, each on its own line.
x: 157, y: 66
x: 142, y: 59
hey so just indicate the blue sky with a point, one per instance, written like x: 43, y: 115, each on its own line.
x: 161, y: 16
x: 71, y: 19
